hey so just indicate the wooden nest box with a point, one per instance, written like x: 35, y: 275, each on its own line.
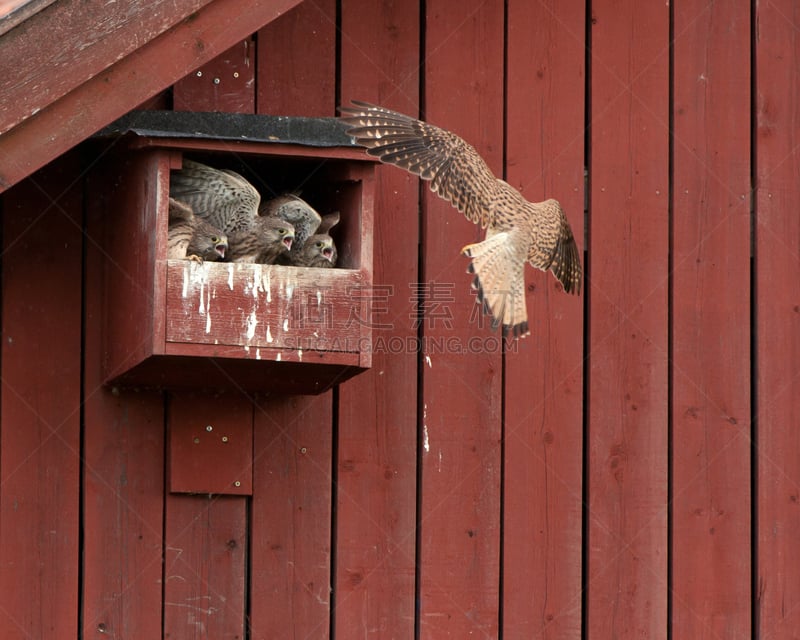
x: 180, y: 324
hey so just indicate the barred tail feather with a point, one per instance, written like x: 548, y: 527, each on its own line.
x: 500, y: 282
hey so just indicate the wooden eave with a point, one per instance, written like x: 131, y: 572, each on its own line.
x: 77, y: 65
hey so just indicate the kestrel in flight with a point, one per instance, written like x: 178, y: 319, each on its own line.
x: 516, y: 230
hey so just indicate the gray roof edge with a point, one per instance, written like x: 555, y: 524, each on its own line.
x: 314, y: 132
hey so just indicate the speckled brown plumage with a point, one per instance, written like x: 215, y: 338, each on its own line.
x: 221, y: 196
x: 268, y: 239
x: 192, y: 237
x: 517, y: 230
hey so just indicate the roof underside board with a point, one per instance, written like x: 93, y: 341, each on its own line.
x: 12, y: 12
x: 52, y: 99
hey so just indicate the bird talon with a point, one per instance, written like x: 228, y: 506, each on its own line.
x: 195, y: 258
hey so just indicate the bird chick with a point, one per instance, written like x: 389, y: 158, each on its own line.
x: 318, y: 251
x: 191, y: 237
x: 223, y: 197
x: 263, y: 244
x: 297, y: 212
x: 518, y: 231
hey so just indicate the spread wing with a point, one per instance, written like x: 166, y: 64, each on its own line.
x: 455, y: 169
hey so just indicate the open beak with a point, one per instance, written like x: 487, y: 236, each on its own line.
x: 220, y: 249
x: 287, y: 241
x: 327, y: 254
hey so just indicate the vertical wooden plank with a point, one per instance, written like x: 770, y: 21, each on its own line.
x: 226, y: 83
x: 627, y: 292
x: 297, y: 61
x: 461, y: 394
x: 711, y: 322
x: 292, y: 488
x: 123, y: 476
x: 291, y: 516
x: 40, y: 405
x: 205, y: 559
x: 376, y: 507
x: 544, y: 373
x: 777, y: 298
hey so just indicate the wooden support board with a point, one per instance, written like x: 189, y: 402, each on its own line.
x: 124, y: 480
x: 777, y: 297
x: 377, y: 422
x: 461, y: 393
x: 627, y: 291
x: 543, y: 432
x: 40, y: 443
x: 711, y: 322
x: 290, y: 574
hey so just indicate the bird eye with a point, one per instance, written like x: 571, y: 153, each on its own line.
x: 283, y: 232
x: 215, y: 239
x: 319, y: 245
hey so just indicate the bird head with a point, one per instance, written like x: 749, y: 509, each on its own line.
x: 287, y: 236
x: 220, y: 243
x: 318, y: 251
x: 325, y: 249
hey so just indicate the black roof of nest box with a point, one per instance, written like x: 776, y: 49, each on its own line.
x: 314, y: 132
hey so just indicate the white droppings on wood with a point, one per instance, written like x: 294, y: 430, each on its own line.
x: 286, y: 324
x: 300, y: 355
x: 269, y: 334
x: 208, y: 322
x: 319, y: 297
x: 252, y: 321
x: 258, y: 354
x: 185, y: 280
x: 230, y: 276
x: 257, y: 284
x: 428, y: 362
x: 426, y: 444
x: 278, y: 357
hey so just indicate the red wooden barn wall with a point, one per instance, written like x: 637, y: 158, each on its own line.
x: 630, y: 470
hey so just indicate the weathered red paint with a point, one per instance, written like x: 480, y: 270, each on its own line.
x: 210, y: 443
x: 124, y: 481
x: 226, y: 83
x: 461, y: 393
x: 292, y: 85
x: 205, y: 564
x: 544, y: 374
x: 711, y: 322
x: 626, y: 287
x: 290, y: 572
x: 377, y: 426
x: 40, y: 460
x: 777, y: 328
x: 60, y: 48
x: 116, y: 89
